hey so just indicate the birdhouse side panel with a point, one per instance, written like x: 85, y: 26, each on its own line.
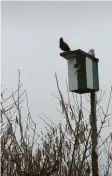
x: 95, y: 76
x: 89, y: 73
x: 72, y: 76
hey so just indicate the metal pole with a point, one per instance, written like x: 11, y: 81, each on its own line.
x: 94, y: 154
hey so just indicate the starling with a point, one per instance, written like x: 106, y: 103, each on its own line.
x: 91, y: 52
x: 63, y: 46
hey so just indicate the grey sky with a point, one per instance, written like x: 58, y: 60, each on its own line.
x: 30, y: 39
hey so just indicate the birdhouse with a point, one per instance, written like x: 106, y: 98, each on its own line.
x: 82, y: 71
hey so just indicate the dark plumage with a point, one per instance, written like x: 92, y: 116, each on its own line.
x: 63, y: 46
x: 92, y: 52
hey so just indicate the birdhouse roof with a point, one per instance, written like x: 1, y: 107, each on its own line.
x: 70, y: 54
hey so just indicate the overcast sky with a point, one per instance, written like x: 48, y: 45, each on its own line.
x: 30, y: 42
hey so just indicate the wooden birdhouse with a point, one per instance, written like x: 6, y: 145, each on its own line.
x: 82, y: 71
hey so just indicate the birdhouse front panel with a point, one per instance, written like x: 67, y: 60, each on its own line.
x: 72, y: 75
x: 81, y: 75
x: 77, y: 73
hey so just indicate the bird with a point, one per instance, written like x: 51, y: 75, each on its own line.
x: 91, y: 52
x: 63, y: 46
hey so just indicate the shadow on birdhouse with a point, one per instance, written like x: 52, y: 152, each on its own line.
x: 82, y: 71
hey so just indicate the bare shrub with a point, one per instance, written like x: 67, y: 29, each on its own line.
x: 65, y: 149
